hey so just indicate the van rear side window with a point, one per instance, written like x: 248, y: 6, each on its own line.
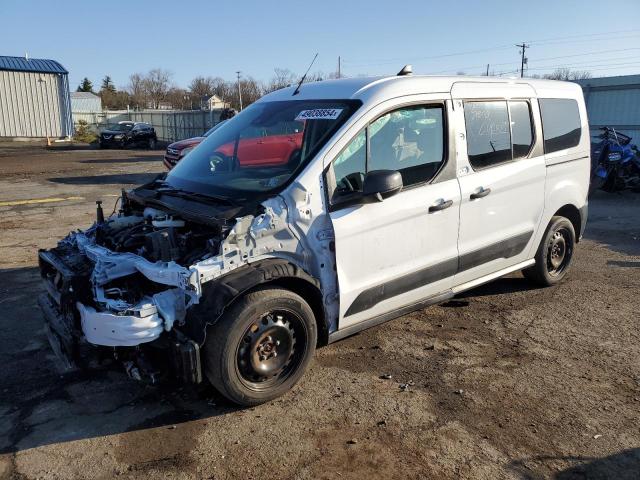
x: 560, y: 123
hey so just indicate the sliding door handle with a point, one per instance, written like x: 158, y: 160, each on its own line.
x: 482, y: 193
x: 436, y: 207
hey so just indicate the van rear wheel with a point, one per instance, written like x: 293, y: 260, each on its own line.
x: 555, y: 253
x: 260, y: 347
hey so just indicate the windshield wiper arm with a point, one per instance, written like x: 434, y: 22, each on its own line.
x: 167, y: 189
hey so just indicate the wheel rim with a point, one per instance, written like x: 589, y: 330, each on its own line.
x: 559, y: 251
x: 271, y: 349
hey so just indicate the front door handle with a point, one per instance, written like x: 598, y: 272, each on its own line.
x: 482, y: 193
x: 436, y: 207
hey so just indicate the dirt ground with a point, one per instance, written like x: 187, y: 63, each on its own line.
x: 506, y: 381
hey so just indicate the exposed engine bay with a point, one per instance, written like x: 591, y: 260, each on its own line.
x: 130, y: 279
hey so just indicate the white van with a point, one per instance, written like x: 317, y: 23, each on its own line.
x: 317, y: 212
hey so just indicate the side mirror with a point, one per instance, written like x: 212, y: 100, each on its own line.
x: 381, y: 184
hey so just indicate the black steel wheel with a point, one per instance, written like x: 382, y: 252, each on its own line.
x: 261, y: 346
x: 555, y: 253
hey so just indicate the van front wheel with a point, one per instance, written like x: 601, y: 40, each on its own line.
x: 555, y: 253
x: 260, y: 347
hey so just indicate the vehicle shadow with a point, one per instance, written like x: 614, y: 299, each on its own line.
x: 116, y: 179
x: 99, y: 161
x: 41, y: 404
x: 621, y: 466
x: 500, y: 286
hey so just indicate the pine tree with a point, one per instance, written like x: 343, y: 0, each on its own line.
x: 85, y: 85
x: 107, y: 85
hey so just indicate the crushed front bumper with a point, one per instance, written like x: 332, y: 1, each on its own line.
x: 59, y: 332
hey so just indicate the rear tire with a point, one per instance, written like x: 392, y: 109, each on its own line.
x: 555, y: 253
x: 260, y: 347
x: 153, y: 143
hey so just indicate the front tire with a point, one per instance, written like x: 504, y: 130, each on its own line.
x: 152, y: 144
x: 260, y: 347
x: 555, y: 253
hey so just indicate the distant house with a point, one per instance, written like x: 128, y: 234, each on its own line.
x: 213, y: 102
x: 85, y: 102
x: 34, y: 98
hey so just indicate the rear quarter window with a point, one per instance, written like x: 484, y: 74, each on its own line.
x: 560, y: 123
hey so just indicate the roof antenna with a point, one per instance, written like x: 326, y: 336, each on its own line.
x: 297, y: 90
x: 406, y: 70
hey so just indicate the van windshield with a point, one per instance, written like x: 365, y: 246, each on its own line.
x: 260, y: 149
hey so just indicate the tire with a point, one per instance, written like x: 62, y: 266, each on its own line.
x: 240, y: 354
x: 153, y: 143
x: 555, y: 253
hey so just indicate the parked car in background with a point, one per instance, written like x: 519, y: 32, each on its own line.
x: 273, y: 145
x: 176, y: 150
x: 124, y: 134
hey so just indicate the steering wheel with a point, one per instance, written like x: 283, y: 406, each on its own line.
x: 352, y: 182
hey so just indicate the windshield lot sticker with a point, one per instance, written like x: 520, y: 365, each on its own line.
x: 319, y: 114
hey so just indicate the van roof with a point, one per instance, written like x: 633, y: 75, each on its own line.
x: 368, y: 88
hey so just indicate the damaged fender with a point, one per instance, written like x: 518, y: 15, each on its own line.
x: 218, y: 294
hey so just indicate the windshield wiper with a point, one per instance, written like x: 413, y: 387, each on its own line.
x: 167, y: 189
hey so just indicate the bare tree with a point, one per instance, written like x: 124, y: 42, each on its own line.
x: 136, y: 89
x: 223, y: 89
x: 567, y: 74
x: 202, y: 86
x: 283, y: 77
x: 156, y: 85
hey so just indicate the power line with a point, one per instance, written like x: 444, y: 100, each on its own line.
x: 585, y: 35
x: 468, y: 67
x: 616, y: 35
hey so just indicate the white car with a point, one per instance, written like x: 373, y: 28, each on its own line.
x: 377, y: 196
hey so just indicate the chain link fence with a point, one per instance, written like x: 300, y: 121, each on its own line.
x: 170, y: 125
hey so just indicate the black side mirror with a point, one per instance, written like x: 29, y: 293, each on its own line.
x: 381, y: 184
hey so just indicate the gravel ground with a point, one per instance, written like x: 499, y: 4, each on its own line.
x: 505, y: 381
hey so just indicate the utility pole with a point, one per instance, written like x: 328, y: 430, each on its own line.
x: 239, y: 91
x: 487, y: 70
x: 339, y: 66
x: 523, y: 47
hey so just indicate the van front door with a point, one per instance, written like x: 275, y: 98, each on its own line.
x: 402, y: 250
x: 502, y: 186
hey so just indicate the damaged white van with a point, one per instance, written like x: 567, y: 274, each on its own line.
x: 319, y: 211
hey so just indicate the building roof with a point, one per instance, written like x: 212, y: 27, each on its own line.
x: 84, y: 95
x: 36, y: 65
x: 616, y: 81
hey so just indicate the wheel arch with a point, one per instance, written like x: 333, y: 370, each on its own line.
x: 574, y: 215
x: 219, y: 294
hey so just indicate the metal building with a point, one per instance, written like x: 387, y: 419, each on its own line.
x: 85, y: 102
x: 34, y: 98
x: 613, y: 102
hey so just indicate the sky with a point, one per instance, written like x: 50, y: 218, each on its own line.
x: 214, y: 38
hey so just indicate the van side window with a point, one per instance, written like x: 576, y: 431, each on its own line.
x: 521, y: 129
x: 560, y: 123
x: 488, y: 133
x: 409, y: 140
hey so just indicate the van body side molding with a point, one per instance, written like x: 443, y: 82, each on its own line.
x: 374, y: 295
x: 507, y: 248
x: 353, y: 329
